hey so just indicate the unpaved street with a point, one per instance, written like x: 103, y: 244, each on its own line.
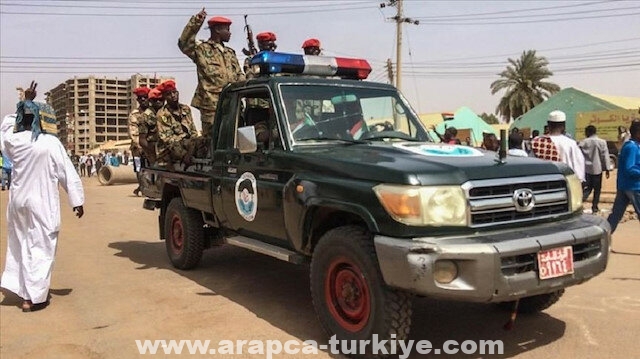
x: 113, y: 284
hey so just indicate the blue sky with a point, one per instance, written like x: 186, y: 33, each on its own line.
x: 449, y: 59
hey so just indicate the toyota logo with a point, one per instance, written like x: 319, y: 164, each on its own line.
x: 523, y: 199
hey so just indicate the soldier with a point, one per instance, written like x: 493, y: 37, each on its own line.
x: 311, y: 47
x: 134, y: 119
x: 217, y: 65
x: 266, y: 42
x: 147, y: 128
x: 175, y: 127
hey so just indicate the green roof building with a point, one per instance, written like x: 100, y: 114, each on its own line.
x: 570, y: 101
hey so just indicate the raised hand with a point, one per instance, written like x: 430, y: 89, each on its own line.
x: 201, y: 15
x: 30, y: 93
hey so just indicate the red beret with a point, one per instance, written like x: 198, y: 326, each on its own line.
x: 141, y: 91
x: 311, y: 43
x: 219, y: 20
x: 155, y: 94
x: 266, y: 36
x: 167, y: 86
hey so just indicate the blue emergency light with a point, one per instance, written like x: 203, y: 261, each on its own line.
x: 270, y: 62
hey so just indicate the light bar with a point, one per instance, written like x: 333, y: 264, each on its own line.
x: 270, y: 62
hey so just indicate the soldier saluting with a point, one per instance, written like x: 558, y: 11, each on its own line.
x: 217, y: 64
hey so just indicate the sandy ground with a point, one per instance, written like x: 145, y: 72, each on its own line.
x: 113, y: 284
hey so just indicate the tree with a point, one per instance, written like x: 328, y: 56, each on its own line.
x: 490, y: 119
x: 524, y: 85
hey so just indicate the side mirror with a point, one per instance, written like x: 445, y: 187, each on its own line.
x: 246, y: 139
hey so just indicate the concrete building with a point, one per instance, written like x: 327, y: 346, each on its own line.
x: 93, y: 110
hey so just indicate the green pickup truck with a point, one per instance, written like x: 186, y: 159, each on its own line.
x: 340, y: 174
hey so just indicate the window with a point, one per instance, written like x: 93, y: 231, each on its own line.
x: 323, y: 113
x: 255, y: 108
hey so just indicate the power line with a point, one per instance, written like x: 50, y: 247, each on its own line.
x: 242, y: 12
x: 568, y: 18
x: 555, y: 14
x: 573, y: 6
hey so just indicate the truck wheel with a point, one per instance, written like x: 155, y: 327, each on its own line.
x: 349, y: 295
x: 536, y: 303
x: 184, y: 235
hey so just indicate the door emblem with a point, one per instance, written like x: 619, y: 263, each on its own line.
x: 246, y: 196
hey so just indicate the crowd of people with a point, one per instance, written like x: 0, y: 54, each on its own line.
x: 88, y: 165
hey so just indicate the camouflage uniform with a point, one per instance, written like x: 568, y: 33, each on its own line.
x: 134, y: 119
x: 247, y: 69
x: 217, y: 65
x: 148, y: 128
x: 175, y: 134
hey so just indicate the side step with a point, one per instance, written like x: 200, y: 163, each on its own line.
x: 266, y: 248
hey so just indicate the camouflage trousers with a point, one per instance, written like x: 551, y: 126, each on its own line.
x: 207, y: 117
x: 182, y: 149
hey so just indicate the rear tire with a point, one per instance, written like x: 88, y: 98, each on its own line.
x: 349, y: 295
x: 534, y: 304
x: 184, y: 235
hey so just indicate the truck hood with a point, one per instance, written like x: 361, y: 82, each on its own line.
x: 420, y: 163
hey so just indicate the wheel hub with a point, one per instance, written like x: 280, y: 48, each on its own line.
x: 347, y: 295
x: 177, y: 234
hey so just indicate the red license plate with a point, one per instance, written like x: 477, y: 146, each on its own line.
x: 555, y: 262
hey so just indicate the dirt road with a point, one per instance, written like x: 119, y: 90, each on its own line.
x: 113, y: 284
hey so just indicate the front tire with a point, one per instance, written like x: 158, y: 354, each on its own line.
x: 184, y: 235
x: 349, y: 295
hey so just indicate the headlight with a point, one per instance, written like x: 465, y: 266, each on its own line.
x: 424, y: 206
x: 575, y: 193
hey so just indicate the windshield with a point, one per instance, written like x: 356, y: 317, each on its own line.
x: 316, y: 113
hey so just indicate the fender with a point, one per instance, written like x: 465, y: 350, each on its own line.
x: 303, y: 197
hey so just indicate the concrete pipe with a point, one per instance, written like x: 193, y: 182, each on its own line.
x: 109, y: 175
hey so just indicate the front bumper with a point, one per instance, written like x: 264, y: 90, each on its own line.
x: 495, y: 266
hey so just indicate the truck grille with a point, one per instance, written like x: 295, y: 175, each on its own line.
x: 493, y: 202
x: 527, y: 262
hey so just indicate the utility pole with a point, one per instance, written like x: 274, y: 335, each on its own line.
x: 400, y: 19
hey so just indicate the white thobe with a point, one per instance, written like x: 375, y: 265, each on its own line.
x: 570, y: 154
x: 33, y: 211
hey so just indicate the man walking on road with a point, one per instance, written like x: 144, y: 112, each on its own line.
x: 628, y: 182
x: 596, y: 156
x: 217, y: 64
x: 40, y: 164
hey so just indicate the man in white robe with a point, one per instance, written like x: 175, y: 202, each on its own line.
x: 40, y: 163
x: 557, y: 147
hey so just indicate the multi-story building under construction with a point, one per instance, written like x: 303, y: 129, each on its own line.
x: 93, y: 110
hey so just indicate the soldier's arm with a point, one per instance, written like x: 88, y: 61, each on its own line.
x: 235, y: 65
x: 193, y: 132
x: 187, y: 41
x: 134, y: 132
x: 143, y: 130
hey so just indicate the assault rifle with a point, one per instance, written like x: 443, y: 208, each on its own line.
x: 252, y: 46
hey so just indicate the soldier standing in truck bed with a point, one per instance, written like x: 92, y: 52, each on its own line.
x: 266, y: 42
x: 217, y: 64
x: 147, y: 128
x: 175, y: 127
x: 135, y: 118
